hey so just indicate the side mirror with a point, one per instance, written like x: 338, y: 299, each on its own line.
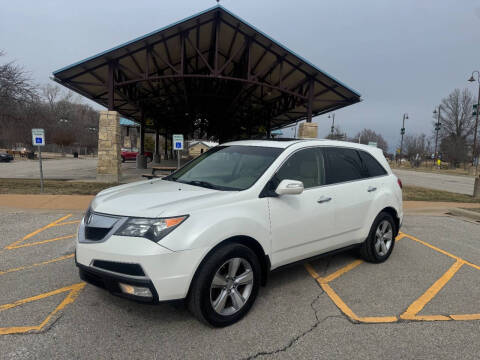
x: 292, y: 187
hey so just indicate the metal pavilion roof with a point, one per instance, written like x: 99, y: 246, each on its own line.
x: 212, y: 70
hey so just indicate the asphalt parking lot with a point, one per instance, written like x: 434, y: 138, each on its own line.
x: 424, y: 302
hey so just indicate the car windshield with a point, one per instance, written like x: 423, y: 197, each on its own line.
x: 233, y: 167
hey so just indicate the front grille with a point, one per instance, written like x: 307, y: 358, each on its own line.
x: 122, y: 268
x: 95, y: 233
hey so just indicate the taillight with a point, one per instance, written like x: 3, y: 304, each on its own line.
x: 400, y: 183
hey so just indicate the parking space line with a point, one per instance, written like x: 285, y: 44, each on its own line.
x: 59, y: 222
x: 443, y: 251
x: 68, y: 223
x: 342, y: 271
x: 323, y: 282
x: 73, y: 292
x: 42, y: 242
x: 26, y: 267
x: 413, y: 309
x: 427, y: 296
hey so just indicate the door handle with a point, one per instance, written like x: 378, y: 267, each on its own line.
x: 324, y: 199
x: 371, y: 188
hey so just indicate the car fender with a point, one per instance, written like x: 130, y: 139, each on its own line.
x: 208, y: 228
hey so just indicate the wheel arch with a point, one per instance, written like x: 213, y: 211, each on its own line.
x: 390, y: 210
x: 247, y: 241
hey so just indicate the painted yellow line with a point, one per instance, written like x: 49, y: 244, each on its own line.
x: 43, y: 241
x: 433, y: 247
x: 412, y: 311
x: 342, y: 271
x: 74, y: 291
x: 378, y: 319
x: 69, y: 223
x: 400, y: 236
x: 311, y: 271
x: 425, y: 317
x: 423, y: 300
x: 443, y: 252
x: 466, y: 317
x: 33, y: 233
x: 26, y: 267
x: 323, y: 282
x: 339, y: 302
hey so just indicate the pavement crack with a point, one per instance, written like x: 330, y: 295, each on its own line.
x: 297, y: 338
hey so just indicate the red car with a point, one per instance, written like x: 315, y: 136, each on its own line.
x: 131, y: 154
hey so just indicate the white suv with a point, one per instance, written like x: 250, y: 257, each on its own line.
x: 211, y: 232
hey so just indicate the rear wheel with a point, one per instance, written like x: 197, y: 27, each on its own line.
x: 380, y: 241
x: 226, y: 285
x: 123, y: 159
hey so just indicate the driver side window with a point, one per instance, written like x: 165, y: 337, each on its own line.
x: 304, y: 165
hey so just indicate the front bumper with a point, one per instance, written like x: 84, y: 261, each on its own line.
x: 166, y: 273
x: 110, y: 282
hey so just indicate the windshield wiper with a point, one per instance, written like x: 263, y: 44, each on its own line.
x: 201, y: 183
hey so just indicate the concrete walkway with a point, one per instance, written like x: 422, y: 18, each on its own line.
x: 81, y: 202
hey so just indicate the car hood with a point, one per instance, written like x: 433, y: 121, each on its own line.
x: 153, y: 198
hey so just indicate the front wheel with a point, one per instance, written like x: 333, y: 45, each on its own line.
x: 380, y: 241
x: 226, y: 285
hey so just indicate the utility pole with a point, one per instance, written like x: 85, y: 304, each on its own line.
x: 402, y: 132
x: 332, y: 129
x: 474, y: 150
x: 437, y: 128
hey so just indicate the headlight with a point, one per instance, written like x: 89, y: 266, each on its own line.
x: 153, y: 229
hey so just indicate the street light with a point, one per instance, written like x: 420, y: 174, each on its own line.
x: 437, y: 128
x: 332, y: 116
x: 472, y: 79
x: 402, y: 132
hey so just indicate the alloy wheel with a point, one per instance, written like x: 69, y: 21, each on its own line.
x: 383, y: 238
x: 231, y: 286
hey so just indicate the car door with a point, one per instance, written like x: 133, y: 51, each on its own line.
x: 350, y: 190
x: 300, y: 223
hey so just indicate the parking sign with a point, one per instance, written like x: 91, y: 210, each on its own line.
x: 178, y: 142
x: 38, y: 137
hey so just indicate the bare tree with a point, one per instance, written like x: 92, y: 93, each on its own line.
x: 457, y: 125
x: 368, y: 135
x: 416, y: 148
x: 337, y: 134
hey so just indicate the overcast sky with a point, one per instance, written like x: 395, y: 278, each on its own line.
x: 402, y: 56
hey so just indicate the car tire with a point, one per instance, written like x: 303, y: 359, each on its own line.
x: 219, y: 298
x: 123, y: 159
x: 149, y: 159
x: 381, y: 239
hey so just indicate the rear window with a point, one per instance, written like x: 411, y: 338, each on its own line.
x: 342, y: 165
x: 372, y: 166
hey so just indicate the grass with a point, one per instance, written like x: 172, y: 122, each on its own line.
x: 474, y: 209
x: 415, y: 193
x: 61, y: 187
x: 57, y: 187
x: 429, y: 169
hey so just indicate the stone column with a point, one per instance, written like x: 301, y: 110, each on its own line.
x: 141, y: 159
x: 308, y: 130
x: 109, y: 145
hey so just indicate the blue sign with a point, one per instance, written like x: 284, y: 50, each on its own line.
x: 38, y: 140
x: 178, y: 145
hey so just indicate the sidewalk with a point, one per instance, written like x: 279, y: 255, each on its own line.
x: 81, y: 202
x: 45, y: 202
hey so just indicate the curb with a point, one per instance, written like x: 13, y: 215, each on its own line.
x: 465, y: 213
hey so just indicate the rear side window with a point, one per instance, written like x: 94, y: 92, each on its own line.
x: 371, y: 164
x: 302, y: 166
x: 343, y: 165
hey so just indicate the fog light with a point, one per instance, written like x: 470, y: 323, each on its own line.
x: 135, y: 290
